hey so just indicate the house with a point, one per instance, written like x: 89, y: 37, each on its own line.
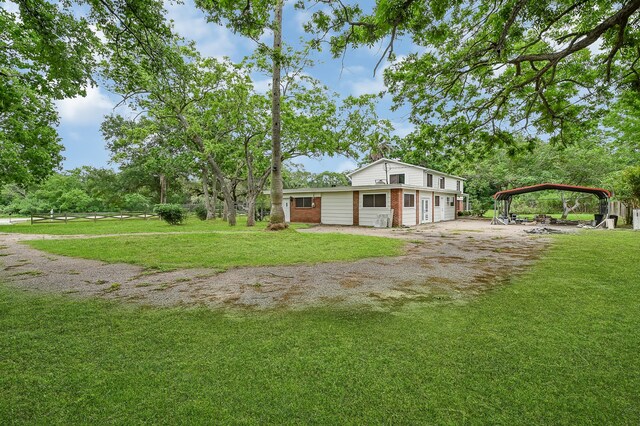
x: 408, y: 194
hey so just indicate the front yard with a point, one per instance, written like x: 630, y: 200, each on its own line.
x: 555, y: 345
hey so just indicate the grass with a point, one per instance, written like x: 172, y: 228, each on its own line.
x: 133, y: 227
x: 558, y: 345
x: 223, y: 250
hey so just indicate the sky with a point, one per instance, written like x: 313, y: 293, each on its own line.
x: 80, y: 117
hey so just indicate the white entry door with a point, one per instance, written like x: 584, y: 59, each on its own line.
x: 286, y: 205
x: 426, y: 211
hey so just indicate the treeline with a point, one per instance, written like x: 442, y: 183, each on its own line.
x: 90, y: 189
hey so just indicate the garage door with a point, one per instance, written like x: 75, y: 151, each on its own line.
x: 337, y: 208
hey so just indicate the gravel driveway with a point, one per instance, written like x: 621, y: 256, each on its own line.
x: 444, y: 263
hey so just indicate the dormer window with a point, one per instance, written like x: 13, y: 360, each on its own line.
x: 397, y: 178
x: 429, y: 180
x: 458, y: 185
x: 441, y: 183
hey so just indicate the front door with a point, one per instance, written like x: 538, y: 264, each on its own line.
x: 425, y: 210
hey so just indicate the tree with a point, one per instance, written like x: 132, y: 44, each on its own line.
x: 627, y: 186
x: 300, y: 178
x: 623, y: 126
x: 147, y: 150
x: 252, y: 19
x: 49, y: 51
x: 46, y: 54
x: 487, y: 71
x: 585, y: 163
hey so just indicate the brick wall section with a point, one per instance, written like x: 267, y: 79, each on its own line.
x: 306, y: 215
x: 418, y: 207
x: 396, y: 205
x: 356, y: 208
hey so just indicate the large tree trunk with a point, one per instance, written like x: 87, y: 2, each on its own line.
x: 163, y: 189
x: 251, y: 209
x: 277, y: 221
x: 211, y: 213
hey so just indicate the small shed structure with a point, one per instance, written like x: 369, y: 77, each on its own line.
x: 502, y: 199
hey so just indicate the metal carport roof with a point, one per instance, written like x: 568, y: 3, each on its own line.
x: 602, y: 194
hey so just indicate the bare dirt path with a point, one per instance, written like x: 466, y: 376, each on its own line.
x: 444, y: 262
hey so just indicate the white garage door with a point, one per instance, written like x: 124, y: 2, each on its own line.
x: 337, y: 208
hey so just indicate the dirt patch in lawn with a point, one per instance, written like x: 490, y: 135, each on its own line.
x: 442, y: 264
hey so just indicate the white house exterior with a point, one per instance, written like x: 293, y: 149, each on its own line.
x: 409, y: 194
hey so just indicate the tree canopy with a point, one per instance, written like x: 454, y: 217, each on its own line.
x: 487, y: 70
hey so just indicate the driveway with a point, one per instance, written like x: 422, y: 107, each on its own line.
x: 443, y: 263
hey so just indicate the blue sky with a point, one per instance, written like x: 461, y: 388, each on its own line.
x: 80, y: 118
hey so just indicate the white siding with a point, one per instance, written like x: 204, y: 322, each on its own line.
x: 368, y: 215
x: 437, y: 210
x: 449, y: 210
x: 409, y: 213
x: 370, y: 175
x: 449, y: 182
x: 337, y: 208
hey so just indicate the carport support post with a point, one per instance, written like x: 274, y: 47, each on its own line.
x: 495, y: 210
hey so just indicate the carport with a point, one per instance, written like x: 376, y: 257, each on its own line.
x: 502, y: 199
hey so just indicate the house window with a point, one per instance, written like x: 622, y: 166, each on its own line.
x: 304, y: 202
x: 409, y: 200
x: 374, y: 200
x: 399, y: 178
x: 437, y: 201
x: 441, y: 183
x: 458, y: 185
x: 452, y: 202
x: 430, y: 180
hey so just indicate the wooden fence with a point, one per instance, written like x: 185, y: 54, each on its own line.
x: 91, y: 217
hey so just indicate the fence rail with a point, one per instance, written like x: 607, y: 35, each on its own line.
x: 90, y: 217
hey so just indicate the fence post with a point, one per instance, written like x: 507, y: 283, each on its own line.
x: 32, y: 218
x: 120, y: 215
x: 65, y: 217
x: 636, y: 219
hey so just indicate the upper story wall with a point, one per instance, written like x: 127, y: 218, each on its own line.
x: 450, y: 183
x: 413, y: 176
x: 370, y: 175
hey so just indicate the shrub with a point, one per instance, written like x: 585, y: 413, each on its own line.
x: 136, y: 202
x: 201, y: 211
x: 173, y: 214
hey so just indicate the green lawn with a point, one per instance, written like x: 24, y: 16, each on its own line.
x: 222, y: 250
x: 556, y: 346
x: 132, y: 226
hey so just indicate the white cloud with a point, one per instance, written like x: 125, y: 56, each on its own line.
x: 10, y: 7
x: 402, y: 128
x: 375, y: 84
x: 212, y: 40
x: 262, y: 85
x: 302, y: 17
x: 366, y: 85
x: 345, y: 166
x: 85, y: 110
